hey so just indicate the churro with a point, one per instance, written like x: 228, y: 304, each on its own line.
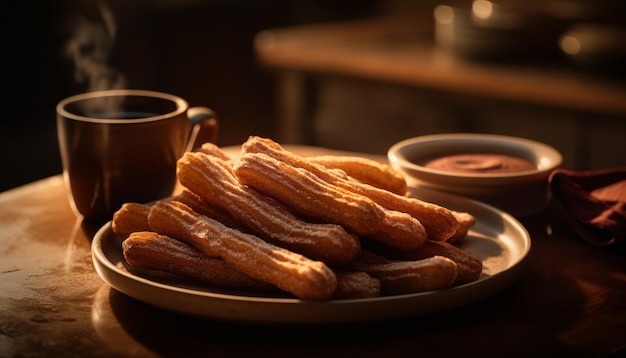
x: 469, y: 265
x: 129, y: 218
x: 214, y: 151
x: 208, y: 178
x: 291, y: 272
x: 270, y: 219
x: 149, y: 250
x: 466, y: 221
x: 351, y: 285
x: 400, y: 230
x: 439, y: 222
x: 286, y: 183
x: 403, y: 277
x: 201, y: 206
x: 365, y: 171
x: 308, y: 195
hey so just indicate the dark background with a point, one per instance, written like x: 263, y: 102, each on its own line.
x: 203, y: 51
x: 199, y: 50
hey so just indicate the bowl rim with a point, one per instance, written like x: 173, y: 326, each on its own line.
x: 548, y: 158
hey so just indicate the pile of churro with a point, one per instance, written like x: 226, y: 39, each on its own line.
x: 315, y: 228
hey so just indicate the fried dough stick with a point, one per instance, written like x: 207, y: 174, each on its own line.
x: 291, y: 272
x: 153, y: 251
x: 470, y: 266
x: 362, y: 169
x: 466, y: 221
x: 307, y: 194
x: 310, y: 196
x: 402, y: 277
x: 129, y: 218
x: 365, y: 170
x: 398, y: 229
x: 214, y: 183
x: 352, y: 285
x: 439, y: 222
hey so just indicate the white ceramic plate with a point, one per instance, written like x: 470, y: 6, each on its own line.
x: 497, y: 238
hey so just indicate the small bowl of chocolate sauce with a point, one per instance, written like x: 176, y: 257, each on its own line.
x: 510, y: 173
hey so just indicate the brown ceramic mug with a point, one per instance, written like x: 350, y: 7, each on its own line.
x: 121, y: 146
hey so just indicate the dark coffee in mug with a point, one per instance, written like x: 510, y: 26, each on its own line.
x: 121, y: 146
x: 123, y: 115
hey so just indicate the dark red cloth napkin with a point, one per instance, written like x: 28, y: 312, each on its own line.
x: 594, y: 201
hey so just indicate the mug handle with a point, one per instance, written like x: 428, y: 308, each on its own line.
x: 204, y: 127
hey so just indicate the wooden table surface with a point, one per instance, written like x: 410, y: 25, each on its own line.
x: 570, y: 301
x: 401, y: 50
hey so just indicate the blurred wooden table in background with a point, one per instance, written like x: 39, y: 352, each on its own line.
x: 400, y: 51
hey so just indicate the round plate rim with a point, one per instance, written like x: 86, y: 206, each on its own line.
x: 240, y: 308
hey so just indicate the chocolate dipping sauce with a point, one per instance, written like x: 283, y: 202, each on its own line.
x: 478, y: 163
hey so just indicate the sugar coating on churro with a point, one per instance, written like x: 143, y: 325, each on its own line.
x: 307, y: 194
x: 217, y: 186
x: 247, y: 253
x: 158, y: 252
x: 365, y: 171
x: 131, y: 217
x: 401, y: 277
x: 272, y: 219
x: 439, y: 222
x: 351, y: 285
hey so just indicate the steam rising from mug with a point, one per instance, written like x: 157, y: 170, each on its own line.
x: 89, y: 48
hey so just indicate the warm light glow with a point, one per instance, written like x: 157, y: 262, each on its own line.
x: 482, y: 9
x: 544, y: 163
x: 570, y: 45
x: 549, y: 229
x: 444, y: 14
